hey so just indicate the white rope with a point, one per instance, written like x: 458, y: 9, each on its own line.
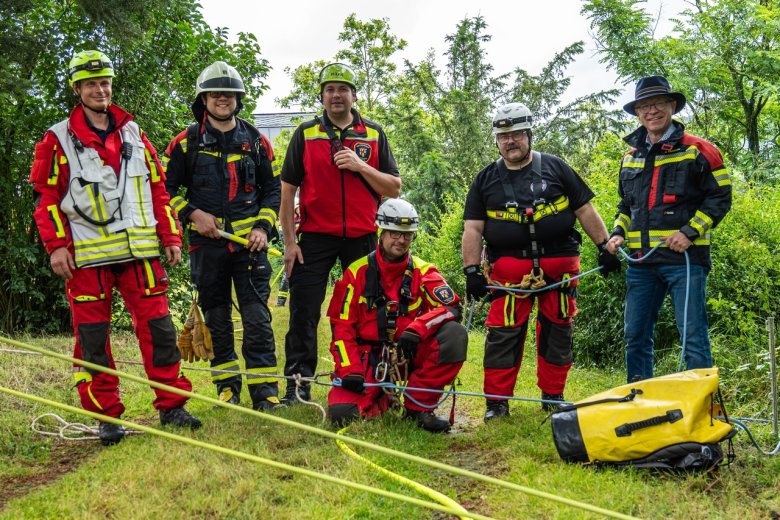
x: 68, y: 431
x: 298, y: 378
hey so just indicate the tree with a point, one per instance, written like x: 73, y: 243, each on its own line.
x: 440, y: 120
x: 456, y: 104
x: 723, y: 54
x: 158, y: 48
x: 368, y: 49
x: 573, y: 130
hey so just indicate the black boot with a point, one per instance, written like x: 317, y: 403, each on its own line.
x: 496, y: 409
x: 179, y: 417
x: 428, y: 421
x: 269, y: 404
x: 551, y: 407
x: 289, y: 395
x: 110, y: 433
x: 228, y: 394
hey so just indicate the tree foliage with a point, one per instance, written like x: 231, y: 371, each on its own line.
x: 724, y: 55
x: 158, y: 48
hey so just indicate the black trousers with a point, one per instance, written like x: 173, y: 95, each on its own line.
x: 308, y: 283
x: 215, y: 271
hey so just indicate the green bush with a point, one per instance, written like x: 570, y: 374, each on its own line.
x: 742, y: 287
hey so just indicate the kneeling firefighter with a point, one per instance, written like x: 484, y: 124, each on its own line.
x: 393, y: 309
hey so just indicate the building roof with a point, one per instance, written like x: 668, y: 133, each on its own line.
x: 281, y: 119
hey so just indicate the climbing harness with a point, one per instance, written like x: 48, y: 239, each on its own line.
x: 391, y: 366
x: 534, y: 279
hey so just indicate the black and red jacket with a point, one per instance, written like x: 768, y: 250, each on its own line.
x: 679, y: 184
x: 229, y: 176
x: 334, y: 201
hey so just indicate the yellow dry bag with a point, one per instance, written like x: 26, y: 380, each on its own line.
x: 666, y: 422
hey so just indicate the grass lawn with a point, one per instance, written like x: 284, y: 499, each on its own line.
x: 151, y: 477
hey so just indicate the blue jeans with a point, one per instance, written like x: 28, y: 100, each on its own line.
x: 646, y: 288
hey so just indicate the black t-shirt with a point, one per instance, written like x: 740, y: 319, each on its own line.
x: 555, y: 233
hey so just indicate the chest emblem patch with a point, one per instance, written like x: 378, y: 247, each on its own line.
x: 363, y: 151
x: 544, y: 187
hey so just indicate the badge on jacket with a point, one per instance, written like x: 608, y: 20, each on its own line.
x: 363, y: 151
x: 444, y: 294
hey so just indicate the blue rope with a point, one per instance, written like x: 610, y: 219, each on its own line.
x: 744, y: 428
x: 337, y: 382
x: 546, y: 287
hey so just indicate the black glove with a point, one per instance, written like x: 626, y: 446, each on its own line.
x: 353, y: 383
x: 608, y: 262
x: 408, y: 342
x: 475, y: 282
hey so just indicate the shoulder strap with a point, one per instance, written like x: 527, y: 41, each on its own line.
x: 329, y: 130
x: 193, y: 146
x: 510, y: 198
x: 536, y: 179
x: 258, y: 147
x: 337, y: 144
x: 373, y: 288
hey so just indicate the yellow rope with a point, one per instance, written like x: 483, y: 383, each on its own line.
x: 425, y: 490
x: 234, y: 453
x: 311, y: 429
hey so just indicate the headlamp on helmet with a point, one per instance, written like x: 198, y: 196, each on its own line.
x: 397, y: 215
x: 511, y: 117
x: 89, y: 64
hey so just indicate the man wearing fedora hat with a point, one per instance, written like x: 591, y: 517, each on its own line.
x: 674, y: 189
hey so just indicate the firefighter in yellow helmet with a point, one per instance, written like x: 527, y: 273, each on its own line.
x: 102, y: 212
x: 343, y: 166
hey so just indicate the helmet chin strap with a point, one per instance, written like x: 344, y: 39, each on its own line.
x: 228, y: 118
x: 104, y: 111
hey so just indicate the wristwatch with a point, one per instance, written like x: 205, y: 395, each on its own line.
x: 471, y: 269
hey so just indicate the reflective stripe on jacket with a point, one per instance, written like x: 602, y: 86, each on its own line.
x: 680, y: 184
x: 111, y: 216
x: 233, y: 181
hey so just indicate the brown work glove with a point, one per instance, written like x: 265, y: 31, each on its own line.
x: 184, y: 342
x: 201, y: 337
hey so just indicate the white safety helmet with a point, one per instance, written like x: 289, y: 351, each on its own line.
x: 397, y: 215
x: 219, y: 77
x: 511, y: 117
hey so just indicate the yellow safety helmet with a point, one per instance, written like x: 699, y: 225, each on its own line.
x: 89, y: 64
x: 338, y: 72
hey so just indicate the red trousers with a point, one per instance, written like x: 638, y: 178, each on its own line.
x: 437, y: 362
x: 142, y: 285
x: 507, y: 324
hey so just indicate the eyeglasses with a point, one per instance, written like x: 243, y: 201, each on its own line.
x: 217, y: 95
x: 516, y: 136
x: 647, y: 107
x: 395, y: 235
